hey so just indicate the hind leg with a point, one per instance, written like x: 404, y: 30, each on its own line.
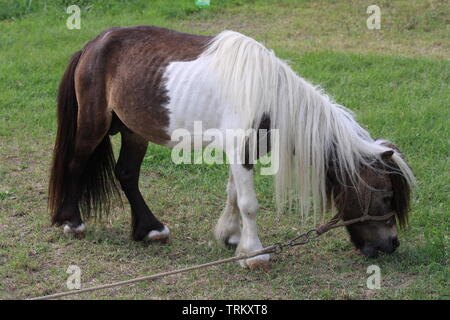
x: 88, y: 137
x: 228, y: 228
x: 69, y: 212
x: 145, y: 225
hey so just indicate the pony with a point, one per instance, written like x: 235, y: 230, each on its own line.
x: 147, y: 82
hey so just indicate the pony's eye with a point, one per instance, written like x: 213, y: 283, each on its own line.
x: 390, y: 222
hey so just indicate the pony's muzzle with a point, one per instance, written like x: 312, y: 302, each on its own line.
x: 387, y: 246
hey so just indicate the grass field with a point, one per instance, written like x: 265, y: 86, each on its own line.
x: 396, y: 80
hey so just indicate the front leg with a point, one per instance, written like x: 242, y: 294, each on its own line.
x: 248, y: 207
x: 228, y: 228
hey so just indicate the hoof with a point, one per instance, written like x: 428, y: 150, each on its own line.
x: 259, y: 262
x: 232, y: 241
x: 78, y: 232
x: 160, y: 236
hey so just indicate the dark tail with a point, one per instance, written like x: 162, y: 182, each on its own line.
x: 97, y: 182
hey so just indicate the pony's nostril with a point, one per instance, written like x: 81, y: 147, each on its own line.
x: 395, y: 242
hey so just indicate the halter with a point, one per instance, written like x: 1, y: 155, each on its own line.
x: 334, y: 222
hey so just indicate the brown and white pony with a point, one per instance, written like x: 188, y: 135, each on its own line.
x: 148, y: 82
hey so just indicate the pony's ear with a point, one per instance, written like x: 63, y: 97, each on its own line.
x: 386, y: 155
x: 389, y: 145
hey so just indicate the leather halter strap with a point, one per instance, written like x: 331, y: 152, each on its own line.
x: 334, y: 222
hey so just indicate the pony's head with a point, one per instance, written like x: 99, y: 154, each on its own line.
x: 382, y: 188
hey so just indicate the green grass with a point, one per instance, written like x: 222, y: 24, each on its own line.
x: 396, y: 80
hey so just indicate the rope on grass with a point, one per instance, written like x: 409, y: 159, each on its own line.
x: 271, y: 249
x: 301, y: 239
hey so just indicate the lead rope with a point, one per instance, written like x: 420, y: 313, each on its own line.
x: 278, y: 247
x: 270, y: 249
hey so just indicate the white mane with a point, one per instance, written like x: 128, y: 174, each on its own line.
x: 311, y: 125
